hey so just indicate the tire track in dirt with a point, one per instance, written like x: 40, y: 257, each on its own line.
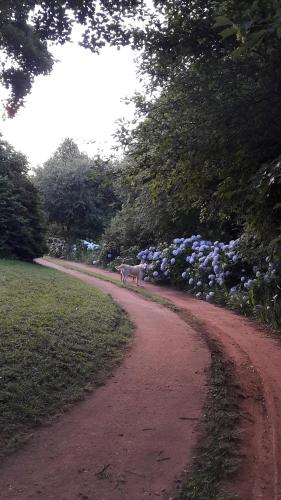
x: 131, y: 438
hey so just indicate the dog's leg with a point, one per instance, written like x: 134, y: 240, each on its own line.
x: 140, y: 276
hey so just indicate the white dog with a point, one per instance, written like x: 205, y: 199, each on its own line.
x: 134, y: 271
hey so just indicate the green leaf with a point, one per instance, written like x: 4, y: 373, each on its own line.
x: 228, y: 32
x: 222, y: 21
x: 256, y: 36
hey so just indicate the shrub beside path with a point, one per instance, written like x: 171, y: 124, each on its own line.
x: 131, y: 438
x: 256, y: 354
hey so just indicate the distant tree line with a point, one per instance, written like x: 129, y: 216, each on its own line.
x: 77, y: 193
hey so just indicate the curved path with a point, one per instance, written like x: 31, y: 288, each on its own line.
x: 132, y: 438
x: 257, y: 358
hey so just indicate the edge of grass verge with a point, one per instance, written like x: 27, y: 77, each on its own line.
x: 217, y: 456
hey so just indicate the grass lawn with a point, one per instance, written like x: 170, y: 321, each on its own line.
x: 58, y: 338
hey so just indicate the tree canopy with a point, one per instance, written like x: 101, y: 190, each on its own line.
x: 173, y: 33
x: 214, y: 130
x: 21, y: 219
x: 77, y: 192
x: 26, y: 27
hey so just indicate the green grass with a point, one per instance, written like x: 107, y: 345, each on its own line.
x: 59, y: 337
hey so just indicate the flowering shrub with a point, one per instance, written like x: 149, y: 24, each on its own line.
x: 216, y: 272
x: 80, y: 250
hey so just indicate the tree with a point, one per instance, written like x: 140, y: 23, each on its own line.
x: 174, y: 33
x: 27, y: 25
x: 204, y: 143
x: 77, y: 192
x: 256, y: 25
x: 21, y: 220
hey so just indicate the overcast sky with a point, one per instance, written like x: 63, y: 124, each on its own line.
x: 81, y: 99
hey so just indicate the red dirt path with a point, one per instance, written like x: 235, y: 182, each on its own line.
x: 257, y: 358
x: 131, y: 438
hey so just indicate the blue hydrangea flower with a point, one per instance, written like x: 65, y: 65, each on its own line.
x: 190, y: 282
x: 249, y: 284
x: 155, y: 274
x: 173, y: 260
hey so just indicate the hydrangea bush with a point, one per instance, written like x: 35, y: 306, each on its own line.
x: 216, y: 272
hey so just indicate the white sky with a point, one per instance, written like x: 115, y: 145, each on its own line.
x: 79, y: 99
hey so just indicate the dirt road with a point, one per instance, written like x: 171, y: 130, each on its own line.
x: 257, y: 357
x: 131, y: 438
